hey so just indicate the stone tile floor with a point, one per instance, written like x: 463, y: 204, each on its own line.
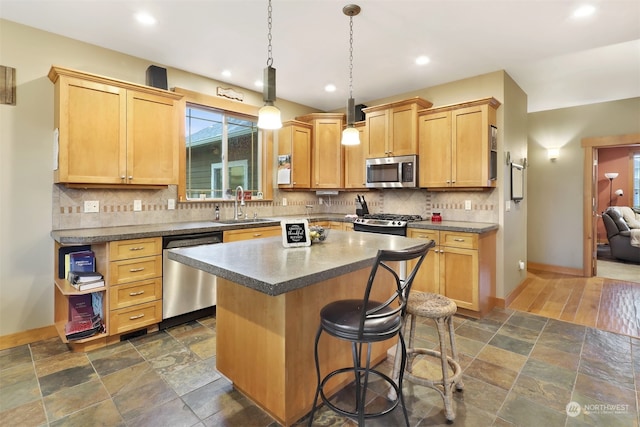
x: 519, y: 370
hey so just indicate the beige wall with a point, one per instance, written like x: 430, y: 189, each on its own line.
x: 555, y: 188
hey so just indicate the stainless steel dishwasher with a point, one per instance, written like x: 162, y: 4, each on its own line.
x: 187, y: 293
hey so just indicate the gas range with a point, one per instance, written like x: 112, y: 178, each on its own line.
x: 385, y: 223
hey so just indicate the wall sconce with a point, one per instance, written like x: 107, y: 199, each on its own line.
x: 553, y: 153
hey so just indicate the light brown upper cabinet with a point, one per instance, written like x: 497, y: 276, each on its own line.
x: 294, y: 144
x: 456, y: 145
x: 393, y: 128
x: 114, y: 133
x: 327, y: 152
x: 354, y: 160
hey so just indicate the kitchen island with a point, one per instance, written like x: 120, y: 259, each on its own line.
x: 268, y: 304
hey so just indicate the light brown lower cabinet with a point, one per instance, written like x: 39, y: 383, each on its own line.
x: 135, y: 284
x: 251, y: 233
x: 131, y: 297
x: 462, y: 266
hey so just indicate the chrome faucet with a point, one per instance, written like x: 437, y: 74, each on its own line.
x: 237, y: 212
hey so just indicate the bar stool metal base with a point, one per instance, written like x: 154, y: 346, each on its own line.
x: 355, y: 414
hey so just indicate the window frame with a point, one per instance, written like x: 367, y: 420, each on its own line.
x: 266, y: 137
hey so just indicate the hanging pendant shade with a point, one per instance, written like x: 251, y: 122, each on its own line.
x: 350, y: 135
x: 269, y: 118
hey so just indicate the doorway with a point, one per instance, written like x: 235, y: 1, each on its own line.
x: 591, y: 209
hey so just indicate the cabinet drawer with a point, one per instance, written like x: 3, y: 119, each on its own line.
x: 137, y: 316
x: 135, y: 293
x: 131, y: 270
x: 137, y: 248
x: 425, y: 234
x: 459, y: 240
x: 251, y: 233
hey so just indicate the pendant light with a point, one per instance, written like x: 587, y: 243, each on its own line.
x: 269, y: 114
x: 351, y: 135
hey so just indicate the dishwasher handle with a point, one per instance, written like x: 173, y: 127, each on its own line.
x: 193, y: 241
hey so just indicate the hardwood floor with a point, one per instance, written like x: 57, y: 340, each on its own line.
x: 609, y: 304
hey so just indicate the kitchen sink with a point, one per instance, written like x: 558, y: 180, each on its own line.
x: 244, y: 220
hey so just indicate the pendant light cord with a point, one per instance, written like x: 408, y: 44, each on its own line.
x: 350, y: 56
x: 269, y: 48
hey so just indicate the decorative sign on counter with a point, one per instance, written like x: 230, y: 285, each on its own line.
x: 295, y: 233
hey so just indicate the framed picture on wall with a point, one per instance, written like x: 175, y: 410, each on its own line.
x: 517, y: 182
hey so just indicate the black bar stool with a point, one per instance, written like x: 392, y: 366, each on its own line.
x: 363, y: 322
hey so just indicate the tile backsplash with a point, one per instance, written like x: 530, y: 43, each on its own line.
x: 116, y: 207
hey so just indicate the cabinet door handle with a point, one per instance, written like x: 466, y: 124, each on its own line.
x: 134, y: 270
x: 137, y: 248
x: 441, y: 251
x: 458, y: 240
x: 136, y: 317
x: 257, y: 235
x: 130, y: 177
x: 133, y: 294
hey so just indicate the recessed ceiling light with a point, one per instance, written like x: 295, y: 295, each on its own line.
x: 145, y: 19
x: 584, y: 11
x: 422, y: 60
x: 226, y: 73
x: 330, y: 88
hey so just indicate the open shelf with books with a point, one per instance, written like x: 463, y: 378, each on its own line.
x: 75, y: 309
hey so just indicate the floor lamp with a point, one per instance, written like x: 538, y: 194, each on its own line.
x: 611, y: 176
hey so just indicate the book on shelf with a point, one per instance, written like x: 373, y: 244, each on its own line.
x: 85, y: 286
x: 83, y: 328
x: 81, y: 307
x: 84, y: 276
x: 96, y: 303
x: 82, y: 261
x: 63, y: 258
x: 83, y: 281
x: 79, y: 261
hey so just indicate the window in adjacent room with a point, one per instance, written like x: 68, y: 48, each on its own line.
x: 222, y: 152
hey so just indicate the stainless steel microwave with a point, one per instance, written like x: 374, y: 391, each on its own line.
x: 392, y: 172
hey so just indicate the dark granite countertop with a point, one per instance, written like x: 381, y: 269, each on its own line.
x: 106, y: 234
x: 267, y: 266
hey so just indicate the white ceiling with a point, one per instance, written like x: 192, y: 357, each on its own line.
x: 557, y: 60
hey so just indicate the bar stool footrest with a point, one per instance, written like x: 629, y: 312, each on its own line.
x: 439, y: 386
x: 325, y: 400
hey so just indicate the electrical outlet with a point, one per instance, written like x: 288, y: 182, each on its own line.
x: 507, y: 206
x: 91, y: 206
x: 320, y: 200
x: 467, y: 205
x: 171, y: 204
x: 137, y: 205
x: 284, y: 201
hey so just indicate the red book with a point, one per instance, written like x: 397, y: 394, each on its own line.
x: 77, y: 329
x: 80, y: 307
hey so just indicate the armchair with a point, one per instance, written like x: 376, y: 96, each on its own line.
x: 620, y: 235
